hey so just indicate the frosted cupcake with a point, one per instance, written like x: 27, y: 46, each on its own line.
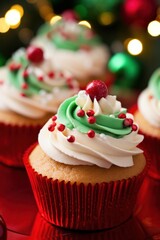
x: 147, y: 114
x: 86, y: 170
x: 75, y: 48
x: 31, y: 92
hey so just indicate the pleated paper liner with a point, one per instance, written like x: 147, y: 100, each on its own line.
x: 151, y: 146
x: 84, y: 207
x: 14, y: 140
x: 131, y: 230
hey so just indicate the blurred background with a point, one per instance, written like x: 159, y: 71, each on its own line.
x: 130, y: 29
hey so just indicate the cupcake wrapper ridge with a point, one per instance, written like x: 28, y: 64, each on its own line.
x: 83, y: 206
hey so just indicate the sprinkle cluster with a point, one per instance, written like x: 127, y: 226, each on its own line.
x: 127, y: 122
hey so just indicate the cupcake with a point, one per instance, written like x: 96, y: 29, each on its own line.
x: 86, y: 168
x: 75, y: 48
x: 147, y: 115
x: 31, y: 92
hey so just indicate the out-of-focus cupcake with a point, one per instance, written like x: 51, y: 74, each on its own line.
x: 147, y: 115
x: 86, y: 170
x: 30, y: 92
x: 74, y: 47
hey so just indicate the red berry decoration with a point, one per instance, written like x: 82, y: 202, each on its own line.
x: 24, y: 85
x: 71, y: 138
x: 34, y: 54
x: 51, y: 127
x: 40, y: 78
x: 90, y: 113
x: 61, y: 127
x: 91, y: 120
x: 14, y: 66
x: 122, y: 115
x: 80, y: 113
x: 51, y: 74
x: 97, y: 89
x: 25, y: 74
x: 134, y: 127
x: 91, y: 134
x: 127, y: 122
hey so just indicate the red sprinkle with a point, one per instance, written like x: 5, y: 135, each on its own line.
x: 22, y: 94
x: 61, y: 127
x: 71, y: 138
x: 127, y: 122
x: 54, y: 124
x: 134, y: 127
x: 24, y: 85
x: 91, y: 120
x: 14, y: 66
x: 25, y: 74
x: 91, y: 134
x: 51, y: 74
x: 51, y: 127
x: 40, y: 78
x: 90, y: 113
x: 1, y: 82
x: 80, y: 113
x: 122, y: 115
x: 54, y: 118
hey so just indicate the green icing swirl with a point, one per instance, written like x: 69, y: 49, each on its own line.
x: 17, y: 79
x: 80, y: 38
x: 154, y: 84
x: 112, y: 126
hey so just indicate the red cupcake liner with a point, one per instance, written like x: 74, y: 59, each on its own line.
x: 14, y: 141
x: 84, y: 207
x: 131, y: 229
x: 151, y: 146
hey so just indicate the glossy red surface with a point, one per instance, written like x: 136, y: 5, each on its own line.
x: 18, y: 209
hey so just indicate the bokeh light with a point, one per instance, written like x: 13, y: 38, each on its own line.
x: 85, y: 23
x: 19, y: 8
x: 13, y: 17
x: 134, y: 47
x: 54, y: 19
x: 4, y: 27
x: 106, y: 18
x: 154, y: 28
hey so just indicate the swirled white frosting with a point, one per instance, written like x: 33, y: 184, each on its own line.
x: 38, y: 105
x: 82, y: 64
x: 149, y: 107
x: 102, y: 150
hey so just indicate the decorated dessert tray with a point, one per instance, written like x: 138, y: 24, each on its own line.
x: 19, y: 211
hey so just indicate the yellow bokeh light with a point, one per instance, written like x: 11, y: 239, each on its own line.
x: 19, y: 8
x: 106, y: 18
x: 54, y: 19
x: 12, y: 17
x: 134, y: 47
x: 4, y: 27
x: 85, y: 23
x: 154, y: 28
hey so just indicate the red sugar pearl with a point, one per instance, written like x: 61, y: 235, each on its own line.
x: 90, y: 113
x: 51, y: 127
x: 25, y: 74
x: 91, y: 134
x: 54, y: 118
x: 40, y: 78
x: 127, y: 122
x: 134, y: 127
x: 61, y: 127
x: 22, y: 94
x: 71, y: 138
x: 91, y: 120
x: 34, y: 54
x: 14, y: 66
x: 122, y: 115
x: 24, y: 85
x: 51, y: 74
x: 80, y: 113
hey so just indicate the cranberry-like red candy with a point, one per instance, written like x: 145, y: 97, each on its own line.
x: 97, y: 89
x: 34, y: 54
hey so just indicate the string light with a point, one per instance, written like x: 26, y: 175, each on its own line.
x: 4, y: 27
x: 134, y: 47
x: 85, y: 23
x: 154, y: 28
x: 13, y: 18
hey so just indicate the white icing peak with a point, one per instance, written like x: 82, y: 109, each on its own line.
x: 149, y: 107
x: 108, y: 105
